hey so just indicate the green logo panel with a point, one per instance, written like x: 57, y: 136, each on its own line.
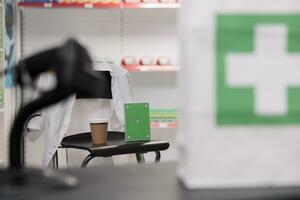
x: 235, y: 34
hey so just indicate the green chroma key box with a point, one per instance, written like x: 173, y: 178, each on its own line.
x: 137, y: 122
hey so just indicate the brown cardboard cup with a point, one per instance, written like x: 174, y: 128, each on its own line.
x: 99, y: 131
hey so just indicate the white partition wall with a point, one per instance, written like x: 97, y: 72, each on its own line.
x: 240, y: 88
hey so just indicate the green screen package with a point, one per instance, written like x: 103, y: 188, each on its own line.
x: 137, y: 122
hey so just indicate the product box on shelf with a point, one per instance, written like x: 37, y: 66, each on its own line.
x: 148, y: 60
x: 164, y: 60
x: 98, y: 1
x: 40, y: 1
x: 168, y: 1
x: 150, y: 1
x: 130, y: 60
x: 132, y: 1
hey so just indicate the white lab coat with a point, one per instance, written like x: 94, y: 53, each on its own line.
x: 55, y: 120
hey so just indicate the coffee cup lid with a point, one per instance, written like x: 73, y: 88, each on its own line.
x: 99, y: 120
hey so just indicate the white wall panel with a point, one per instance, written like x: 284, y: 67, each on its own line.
x: 157, y: 88
x: 150, y: 33
x: 100, y: 30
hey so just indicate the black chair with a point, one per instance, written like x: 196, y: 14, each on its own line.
x: 116, y: 144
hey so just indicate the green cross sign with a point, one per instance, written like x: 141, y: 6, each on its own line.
x: 257, y: 69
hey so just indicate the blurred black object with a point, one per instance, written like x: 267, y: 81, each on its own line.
x: 72, y: 67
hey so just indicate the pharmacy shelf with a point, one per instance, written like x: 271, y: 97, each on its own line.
x: 121, y: 5
x: 151, y: 68
x: 163, y: 124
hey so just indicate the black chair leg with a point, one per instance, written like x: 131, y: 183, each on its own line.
x: 140, y: 158
x: 86, y: 160
x: 55, y: 161
x: 157, y: 156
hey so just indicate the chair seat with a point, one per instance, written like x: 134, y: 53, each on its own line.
x: 116, y: 145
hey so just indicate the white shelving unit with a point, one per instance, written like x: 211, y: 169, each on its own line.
x: 115, y: 31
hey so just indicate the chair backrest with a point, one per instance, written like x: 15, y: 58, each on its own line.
x: 104, y: 92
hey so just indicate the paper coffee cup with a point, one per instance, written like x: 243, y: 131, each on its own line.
x: 99, y: 131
